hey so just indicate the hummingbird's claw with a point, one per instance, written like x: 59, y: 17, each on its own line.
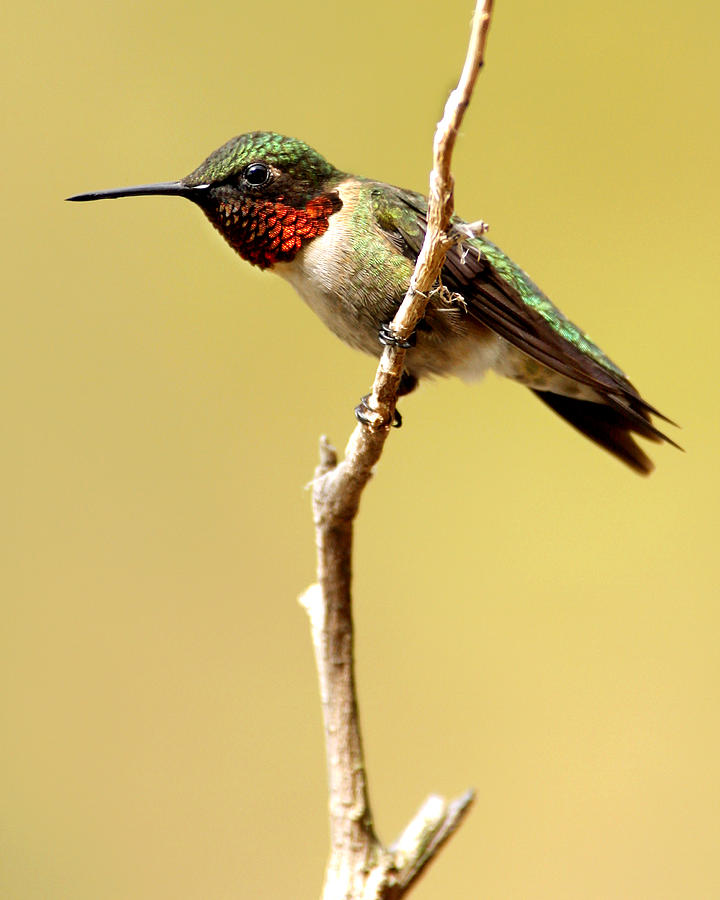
x: 388, y: 337
x: 371, y: 418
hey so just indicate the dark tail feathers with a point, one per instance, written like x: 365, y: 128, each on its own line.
x: 610, y: 427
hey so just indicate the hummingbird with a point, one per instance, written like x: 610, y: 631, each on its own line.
x: 348, y: 246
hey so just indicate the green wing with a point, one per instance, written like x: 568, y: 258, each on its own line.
x: 502, y: 297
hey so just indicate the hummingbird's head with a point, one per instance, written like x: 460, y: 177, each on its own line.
x: 267, y: 165
x: 265, y: 193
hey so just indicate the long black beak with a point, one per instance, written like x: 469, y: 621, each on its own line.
x: 171, y: 188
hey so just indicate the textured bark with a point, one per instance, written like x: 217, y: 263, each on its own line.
x: 359, y: 865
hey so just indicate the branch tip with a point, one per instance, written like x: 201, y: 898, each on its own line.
x: 328, y: 455
x: 434, y: 823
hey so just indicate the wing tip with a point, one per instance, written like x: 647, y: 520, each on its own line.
x: 610, y: 427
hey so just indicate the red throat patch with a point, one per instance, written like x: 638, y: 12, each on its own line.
x: 268, y: 231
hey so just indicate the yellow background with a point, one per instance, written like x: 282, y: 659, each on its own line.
x: 533, y: 619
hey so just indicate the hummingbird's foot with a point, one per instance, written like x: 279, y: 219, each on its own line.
x: 370, y: 417
x: 388, y: 337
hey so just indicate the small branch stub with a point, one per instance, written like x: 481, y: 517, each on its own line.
x: 360, y: 867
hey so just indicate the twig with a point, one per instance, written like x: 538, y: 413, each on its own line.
x: 359, y: 866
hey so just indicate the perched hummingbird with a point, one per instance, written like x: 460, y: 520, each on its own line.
x: 348, y: 245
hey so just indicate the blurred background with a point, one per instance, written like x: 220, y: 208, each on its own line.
x: 532, y: 619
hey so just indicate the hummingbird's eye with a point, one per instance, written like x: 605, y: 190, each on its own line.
x: 256, y: 174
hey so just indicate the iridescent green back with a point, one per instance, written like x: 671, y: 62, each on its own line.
x: 533, y: 297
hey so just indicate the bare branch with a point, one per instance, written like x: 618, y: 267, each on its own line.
x: 441, y: 206
x: 359, y: 866
x: 433, y: 824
